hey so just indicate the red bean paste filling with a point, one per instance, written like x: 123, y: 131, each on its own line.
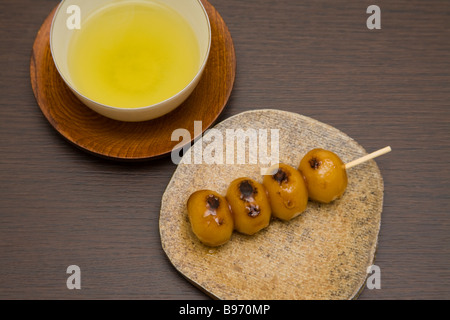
x: 247, y: 194
x: 280, y: 176
x: 253, y: 210
x: 315, y: 163
x: 213, y: 201
x: 246, y: 190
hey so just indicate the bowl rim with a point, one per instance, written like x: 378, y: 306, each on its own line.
x: 134, y: 109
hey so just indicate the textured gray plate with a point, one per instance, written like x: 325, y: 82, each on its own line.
x: 322, y: 254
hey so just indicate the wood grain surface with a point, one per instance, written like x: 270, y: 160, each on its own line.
x: 61, y: 206
x: 145, y: 140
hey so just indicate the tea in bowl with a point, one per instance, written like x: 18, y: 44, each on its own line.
x: 132, y: 60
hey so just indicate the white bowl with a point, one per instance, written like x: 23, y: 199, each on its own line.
x: 60, y: 35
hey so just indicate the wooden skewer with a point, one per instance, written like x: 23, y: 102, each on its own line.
x: 367, y: 157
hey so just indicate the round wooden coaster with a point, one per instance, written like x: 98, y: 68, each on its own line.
x: 322, y: 254
x: 139, y: 140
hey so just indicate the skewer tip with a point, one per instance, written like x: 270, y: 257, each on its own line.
x: 368, y: 157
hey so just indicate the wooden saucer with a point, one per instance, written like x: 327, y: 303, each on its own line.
x: 139, y: 140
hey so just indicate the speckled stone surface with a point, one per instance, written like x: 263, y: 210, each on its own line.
x: 321, y: 254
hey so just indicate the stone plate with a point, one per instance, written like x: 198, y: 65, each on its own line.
x: 322, y: 254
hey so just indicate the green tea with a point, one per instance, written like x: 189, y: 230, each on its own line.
x: 133, y: 54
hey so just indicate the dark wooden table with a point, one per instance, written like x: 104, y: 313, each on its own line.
x: 61, y: 206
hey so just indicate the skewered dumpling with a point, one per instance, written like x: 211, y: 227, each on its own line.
x: 210, y: 217
x: 287, y: 191
x: 249, y: 205
x: 325, y: 175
